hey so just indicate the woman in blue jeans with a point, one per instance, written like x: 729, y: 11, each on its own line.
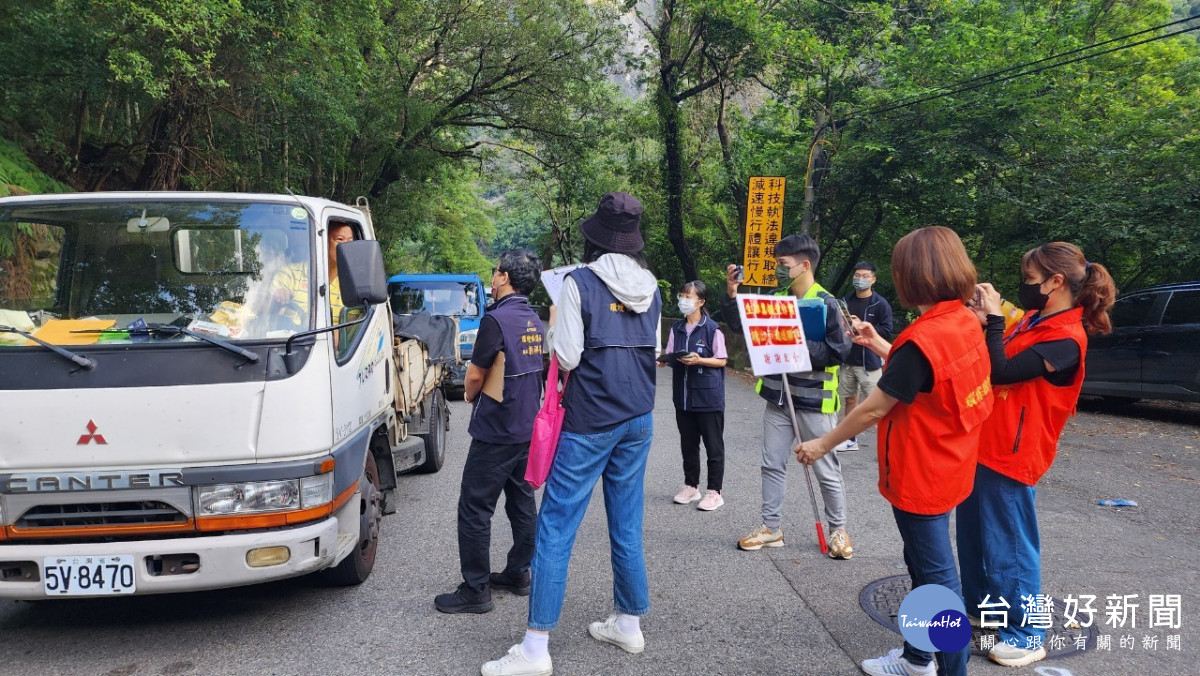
x: 930, y: 406
x: 604, y: 330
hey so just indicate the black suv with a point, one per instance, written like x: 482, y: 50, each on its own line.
x: 1154, y: 349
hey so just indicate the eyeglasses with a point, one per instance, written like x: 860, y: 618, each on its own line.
x: 496, y: 270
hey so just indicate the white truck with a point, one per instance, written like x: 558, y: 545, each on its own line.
x: 188, y: 403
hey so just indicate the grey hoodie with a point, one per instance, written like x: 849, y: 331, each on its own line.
x: 632, y: 284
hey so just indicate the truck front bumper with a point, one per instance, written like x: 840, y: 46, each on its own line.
x: 222, y: 560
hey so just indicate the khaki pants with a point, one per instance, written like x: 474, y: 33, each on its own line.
x: 856, y: 381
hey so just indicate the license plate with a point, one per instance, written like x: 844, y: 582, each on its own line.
x: 89, y: 575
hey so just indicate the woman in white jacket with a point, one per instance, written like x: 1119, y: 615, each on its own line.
x: 604, y: 331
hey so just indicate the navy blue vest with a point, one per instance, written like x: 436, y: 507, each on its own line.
x: 614, y: 381
x: 511, y: 421
x: 697, y: 388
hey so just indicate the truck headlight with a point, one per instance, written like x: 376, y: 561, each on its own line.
x: 250, y: 497
x: 253, y: 497
x: 467, y: 338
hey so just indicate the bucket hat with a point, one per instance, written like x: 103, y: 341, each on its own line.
x: 616, y: 224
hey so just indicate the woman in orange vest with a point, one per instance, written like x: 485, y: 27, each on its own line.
x: 930, y: 404
x: 1037, y: 372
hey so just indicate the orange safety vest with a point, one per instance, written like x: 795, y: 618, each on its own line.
x: 928, y: 449
x: 1021, y: 438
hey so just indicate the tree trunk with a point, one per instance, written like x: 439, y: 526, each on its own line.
x: 736, y: 187
x: 810, y: 194
x: 166, y: 144
x: 668, y: 115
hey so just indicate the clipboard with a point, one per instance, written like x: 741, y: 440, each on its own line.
x: 493, y: 382
x: 672, y: 357
x: 812, y: 317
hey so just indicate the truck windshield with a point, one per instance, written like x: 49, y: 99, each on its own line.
x: 442, y: 297
x: 77, y: 273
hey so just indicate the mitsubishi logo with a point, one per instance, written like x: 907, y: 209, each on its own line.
x: 85, y: 439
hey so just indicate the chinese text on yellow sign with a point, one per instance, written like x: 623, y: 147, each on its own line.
x: 764, y: 227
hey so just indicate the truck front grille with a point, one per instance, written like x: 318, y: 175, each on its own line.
x: 101, y: 514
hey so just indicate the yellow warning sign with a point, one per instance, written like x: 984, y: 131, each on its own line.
x: 764, y: 227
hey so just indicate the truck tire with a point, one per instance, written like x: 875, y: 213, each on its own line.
x: 435, y: 440
x: 356, y: 568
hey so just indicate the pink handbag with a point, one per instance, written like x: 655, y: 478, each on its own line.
x: 546, y: 428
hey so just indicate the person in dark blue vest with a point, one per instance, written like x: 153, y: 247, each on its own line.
x: 698, y: 384
x: 500, y: 431
x: 604, y: 330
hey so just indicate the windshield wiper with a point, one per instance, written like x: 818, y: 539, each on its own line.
x: 177, y: 330
x: 83, y: 362
x: 171, y: 328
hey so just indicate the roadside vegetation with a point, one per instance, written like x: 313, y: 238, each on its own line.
x: 475, y: 126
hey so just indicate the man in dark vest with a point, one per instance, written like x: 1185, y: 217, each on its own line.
x: 510, y: 338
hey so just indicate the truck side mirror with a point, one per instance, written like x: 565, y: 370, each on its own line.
x: 360, y: 273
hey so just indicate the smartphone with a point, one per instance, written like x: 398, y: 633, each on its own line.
x: 740, y: 275
x: 977, y: 301
x: 847, y: 316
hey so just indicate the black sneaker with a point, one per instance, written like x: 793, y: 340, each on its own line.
x: 512, y: 582
x: 463, y: 600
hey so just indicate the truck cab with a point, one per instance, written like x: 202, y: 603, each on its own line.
x: 191, y: 399
x: 461, y: 296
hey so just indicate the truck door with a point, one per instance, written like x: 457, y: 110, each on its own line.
x: 359, y: 378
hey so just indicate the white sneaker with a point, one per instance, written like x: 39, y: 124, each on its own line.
x: 850, y: 444
x: 1012, y: 656
x: 894, y: 664
x: 516, y: 664
x: 687, y: 494
x: 710, y: 501
x: 607, y: 632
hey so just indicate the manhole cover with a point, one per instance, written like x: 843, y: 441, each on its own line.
x: 881, y: 600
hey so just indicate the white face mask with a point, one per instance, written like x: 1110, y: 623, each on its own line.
x: 687, y: 306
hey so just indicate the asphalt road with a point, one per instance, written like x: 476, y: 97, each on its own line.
x: 715, y: 610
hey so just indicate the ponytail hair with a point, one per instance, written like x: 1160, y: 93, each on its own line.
x: 1091, y: 285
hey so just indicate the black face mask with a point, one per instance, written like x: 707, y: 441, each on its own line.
x: 1031, y: 296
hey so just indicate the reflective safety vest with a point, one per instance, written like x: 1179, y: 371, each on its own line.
x: 1020, y: 440
x: 928, y: 449
x: 815, y: 390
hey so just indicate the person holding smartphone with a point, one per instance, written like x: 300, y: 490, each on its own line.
x: 699, y: 393
x: 861, y: 372
x: 1037, y: 369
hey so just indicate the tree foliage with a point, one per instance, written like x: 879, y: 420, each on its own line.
x: 478, y: 126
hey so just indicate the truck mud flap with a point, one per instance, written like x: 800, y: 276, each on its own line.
x: 408, y: 454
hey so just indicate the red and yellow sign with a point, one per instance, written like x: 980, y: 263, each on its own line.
x: 764, y: 227
x: 774, y: 335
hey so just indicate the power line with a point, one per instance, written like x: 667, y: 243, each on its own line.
x: 944, y: 91
x: 1073, y: 51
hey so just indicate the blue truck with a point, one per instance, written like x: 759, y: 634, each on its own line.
x: 462, y: 296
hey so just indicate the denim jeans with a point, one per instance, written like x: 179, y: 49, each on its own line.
x: 999, y: 551
x: 618, y: 456
x: 930, y: 560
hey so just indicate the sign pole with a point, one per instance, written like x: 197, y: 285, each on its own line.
x: 812, y: 495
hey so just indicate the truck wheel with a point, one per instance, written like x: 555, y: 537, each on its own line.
x: 356, y: 568
x: 435, y: 441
